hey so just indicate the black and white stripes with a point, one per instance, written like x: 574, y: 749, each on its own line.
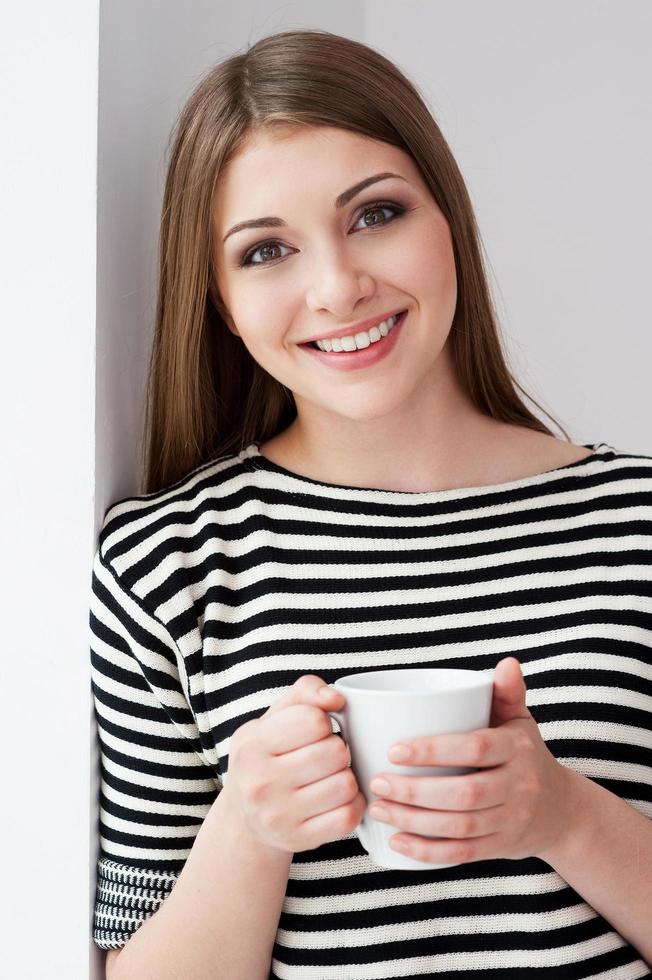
x: 213, y: 596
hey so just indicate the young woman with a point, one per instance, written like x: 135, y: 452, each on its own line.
x: 341, y: 475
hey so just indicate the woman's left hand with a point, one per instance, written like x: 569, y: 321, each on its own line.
x: 517, y: 805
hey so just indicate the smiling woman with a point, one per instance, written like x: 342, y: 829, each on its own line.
x: 325, y: 143
x: 341, y: 476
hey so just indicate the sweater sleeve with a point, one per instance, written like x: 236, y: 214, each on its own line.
x: 156, y: 783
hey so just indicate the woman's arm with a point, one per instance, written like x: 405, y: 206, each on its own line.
x: 606, y: 856
x: 220, y: 919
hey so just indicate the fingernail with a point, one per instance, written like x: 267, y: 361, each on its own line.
x: 379, y: 786
x: 398, y: 753
x: 324, y: 693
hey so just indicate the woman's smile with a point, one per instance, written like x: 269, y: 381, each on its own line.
x: 375, y: 349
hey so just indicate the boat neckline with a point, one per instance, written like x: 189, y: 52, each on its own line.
x: 252, y: 452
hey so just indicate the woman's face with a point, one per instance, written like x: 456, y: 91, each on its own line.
x: 321, y: 267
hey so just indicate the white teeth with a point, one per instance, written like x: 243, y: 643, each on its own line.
x: 360, y: 340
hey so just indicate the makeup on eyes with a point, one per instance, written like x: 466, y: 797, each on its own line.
x: 399, y: 210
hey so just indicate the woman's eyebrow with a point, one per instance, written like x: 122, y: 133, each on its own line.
x: 344, y: 198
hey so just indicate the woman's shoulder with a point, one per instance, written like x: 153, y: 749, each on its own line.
x: 519, y: 448
x: 525, y: 452
x: 631, y: 462
x: 604, y: 464
x: 613, y: 481
x: 179, y: 508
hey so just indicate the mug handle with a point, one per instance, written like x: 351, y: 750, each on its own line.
x: 361, y: 829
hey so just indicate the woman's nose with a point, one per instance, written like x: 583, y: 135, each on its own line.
x: 337, y: 284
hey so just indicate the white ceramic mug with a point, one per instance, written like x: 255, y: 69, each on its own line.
x: 387, y: 706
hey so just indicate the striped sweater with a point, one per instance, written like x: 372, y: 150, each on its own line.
x: 211, y: 597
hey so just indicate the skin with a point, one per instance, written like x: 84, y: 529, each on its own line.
x: 404, y: 424
x: 518, y: 804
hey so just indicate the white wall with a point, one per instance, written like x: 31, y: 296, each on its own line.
x: 544, y: 105
x: 48, y: 107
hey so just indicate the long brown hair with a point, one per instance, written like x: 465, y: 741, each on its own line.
x: 206, y: 396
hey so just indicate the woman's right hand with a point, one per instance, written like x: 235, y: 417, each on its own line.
x: 289, y: 775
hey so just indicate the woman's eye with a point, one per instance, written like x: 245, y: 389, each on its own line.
x: 380, y: 207
x: 266, y: 247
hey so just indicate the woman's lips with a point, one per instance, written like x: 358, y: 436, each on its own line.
x: 355, y: 359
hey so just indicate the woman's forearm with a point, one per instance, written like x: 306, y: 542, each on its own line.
x: 221, y: 917
x: 606, y: 856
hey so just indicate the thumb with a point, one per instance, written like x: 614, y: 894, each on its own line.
x: 509, y: 693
